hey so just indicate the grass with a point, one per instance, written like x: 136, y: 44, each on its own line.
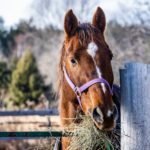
x: 88, y: 137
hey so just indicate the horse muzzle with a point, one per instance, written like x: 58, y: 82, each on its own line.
x: 103, y: 121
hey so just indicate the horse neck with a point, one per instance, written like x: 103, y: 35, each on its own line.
x: 67, y: 106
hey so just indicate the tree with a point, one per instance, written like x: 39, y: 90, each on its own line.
x: 5, y: 75
x: 27, y: 83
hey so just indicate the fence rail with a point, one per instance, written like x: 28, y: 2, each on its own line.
x: 29, y: 135
x: 30, y: 112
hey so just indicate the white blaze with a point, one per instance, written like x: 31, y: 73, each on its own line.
x: 92, y: 49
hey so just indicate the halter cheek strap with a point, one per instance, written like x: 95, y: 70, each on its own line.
x: 78, y: 90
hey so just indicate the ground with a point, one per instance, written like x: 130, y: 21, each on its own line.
x: 31, y: 123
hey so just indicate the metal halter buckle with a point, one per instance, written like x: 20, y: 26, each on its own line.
x: 77, y: 91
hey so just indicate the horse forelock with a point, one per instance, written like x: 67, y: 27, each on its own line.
x: 86, y: 33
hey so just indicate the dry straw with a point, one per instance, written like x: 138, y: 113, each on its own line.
x: 88, y: 137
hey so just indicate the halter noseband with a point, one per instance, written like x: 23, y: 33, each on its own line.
x: 78, y: 90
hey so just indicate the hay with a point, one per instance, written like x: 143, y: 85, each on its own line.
x: 87, y: 137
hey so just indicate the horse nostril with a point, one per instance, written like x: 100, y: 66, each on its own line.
x: 97, y: 115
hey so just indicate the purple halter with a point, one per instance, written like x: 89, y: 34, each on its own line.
x: 78, y: 90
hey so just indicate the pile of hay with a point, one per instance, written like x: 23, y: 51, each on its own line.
x: 87, y: 137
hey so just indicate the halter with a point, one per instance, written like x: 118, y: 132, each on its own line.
x: 78, y: 90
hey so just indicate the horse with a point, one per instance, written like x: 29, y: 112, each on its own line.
x: 86, y: 76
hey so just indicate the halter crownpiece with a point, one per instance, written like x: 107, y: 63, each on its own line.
x: 78, y: 90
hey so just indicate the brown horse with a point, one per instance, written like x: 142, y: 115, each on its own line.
x: 86, y: 60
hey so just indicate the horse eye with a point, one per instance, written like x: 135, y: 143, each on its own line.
x: 73, y: 61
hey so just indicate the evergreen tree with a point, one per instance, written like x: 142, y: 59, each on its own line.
x: 5, y: 75
x: 27, y: 83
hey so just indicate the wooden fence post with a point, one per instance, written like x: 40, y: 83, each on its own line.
x: 135, y: 107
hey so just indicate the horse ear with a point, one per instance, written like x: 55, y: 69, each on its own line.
x: 99, y: 20
x: 70, y: 23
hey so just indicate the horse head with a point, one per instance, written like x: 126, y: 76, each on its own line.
x: 86, y: 62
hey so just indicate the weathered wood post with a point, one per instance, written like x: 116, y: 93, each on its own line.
x: 135, y: 107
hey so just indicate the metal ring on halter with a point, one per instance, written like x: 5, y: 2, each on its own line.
x: 77, y: 91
